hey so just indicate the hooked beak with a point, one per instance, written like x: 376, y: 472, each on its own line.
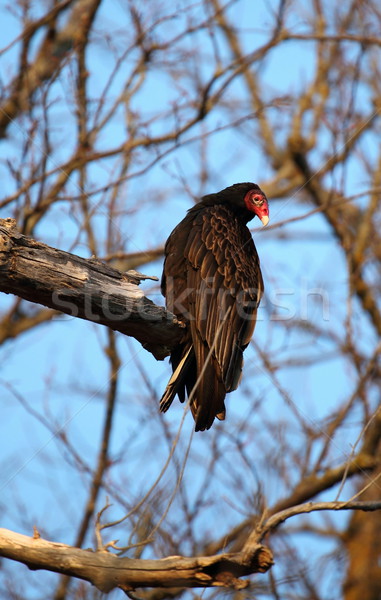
x: 265, y: 219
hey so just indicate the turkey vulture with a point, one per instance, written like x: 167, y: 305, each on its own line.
x: 212, y: 282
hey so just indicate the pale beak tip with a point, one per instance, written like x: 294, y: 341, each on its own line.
x: 265, y: 219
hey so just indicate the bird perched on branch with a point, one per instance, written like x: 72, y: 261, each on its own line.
x: 212, y: 282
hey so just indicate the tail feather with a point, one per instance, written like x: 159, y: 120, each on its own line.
x: 209, y: 395
x: 177, y: 381
x: 197, y: 373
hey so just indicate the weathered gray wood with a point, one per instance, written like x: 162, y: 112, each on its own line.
x: 84, y: 288
x: 107, y: 571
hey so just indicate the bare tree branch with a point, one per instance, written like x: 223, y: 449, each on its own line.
x: 84, y: 288
x: 107, y: 571
x: 53, y: 50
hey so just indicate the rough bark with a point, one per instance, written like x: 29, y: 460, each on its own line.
x: 84, y: 288
x: 107, y: 571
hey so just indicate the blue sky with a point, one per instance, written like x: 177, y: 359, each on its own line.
x: 59, y: 368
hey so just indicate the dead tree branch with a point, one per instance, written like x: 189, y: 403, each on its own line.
x: 84, y: 288
x: 267, y: 525
x: 107, y: 571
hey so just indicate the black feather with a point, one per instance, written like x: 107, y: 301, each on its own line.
x: 212, y: 264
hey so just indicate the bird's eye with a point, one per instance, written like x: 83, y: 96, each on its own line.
x: 257, y: 200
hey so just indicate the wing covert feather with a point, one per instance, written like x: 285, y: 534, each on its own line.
x: 212, y: 282
x: 226, y: 284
